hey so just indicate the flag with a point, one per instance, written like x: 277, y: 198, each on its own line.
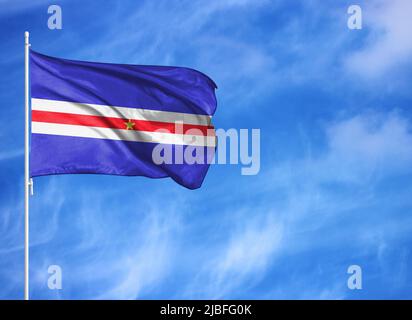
x: 119, y: 119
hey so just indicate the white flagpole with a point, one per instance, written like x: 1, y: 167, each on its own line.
x: 27, y: 180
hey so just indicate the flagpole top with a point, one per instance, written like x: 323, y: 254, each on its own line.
x: 26, y: 37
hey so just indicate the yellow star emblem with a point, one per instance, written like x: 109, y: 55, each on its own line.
x: 129, y: 125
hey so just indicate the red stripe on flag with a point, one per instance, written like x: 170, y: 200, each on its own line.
x: 115, y: 123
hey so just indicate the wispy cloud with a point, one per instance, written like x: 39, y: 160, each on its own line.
x: 239, y: 260
x: 11, y: 154
x: 188, y: 34
x: 298, y: 224
x: 148, y: 258
x: 324, y: 200
x: 390, y: 44
x: 18, y: 6
x: 102, y: 258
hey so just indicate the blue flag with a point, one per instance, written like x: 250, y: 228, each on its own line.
x: 131, y: 120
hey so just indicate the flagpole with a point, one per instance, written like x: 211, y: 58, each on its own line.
x: 27, y: 180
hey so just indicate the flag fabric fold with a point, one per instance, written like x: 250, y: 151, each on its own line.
x: 103, y: 118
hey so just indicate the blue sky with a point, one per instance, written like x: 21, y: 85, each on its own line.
x: 333, y: 106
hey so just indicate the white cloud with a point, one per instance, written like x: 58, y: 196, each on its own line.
x: 371, y: 140
x: 11, y: 154
x: 250, y: 247
x: 17, y: 6
x: 390, y: 43
x: 130, y: 263
x: 126, y: 261
x: 326, y: 195
x: 143, y: 264
x: 241, y: 259
x: 191, y: 34
x: 12, y: 214
x: 358, y: 150
x: 333, y: 195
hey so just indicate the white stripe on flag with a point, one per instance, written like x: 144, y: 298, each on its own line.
x: 118, y: 112
x: 122, y: 134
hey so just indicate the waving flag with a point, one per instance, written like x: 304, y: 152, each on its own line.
x: 106, y: 118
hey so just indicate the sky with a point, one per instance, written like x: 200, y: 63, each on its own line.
x: 334, y: 109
